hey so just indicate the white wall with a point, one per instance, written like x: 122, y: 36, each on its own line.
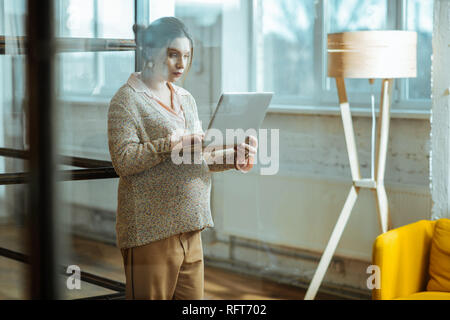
x: 440, y: 133
x: 299, y: 206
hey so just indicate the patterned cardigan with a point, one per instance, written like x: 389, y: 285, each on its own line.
x: 156, y: 197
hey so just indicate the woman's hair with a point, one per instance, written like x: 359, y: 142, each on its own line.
x: 158, y: 35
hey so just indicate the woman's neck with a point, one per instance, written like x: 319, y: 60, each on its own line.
x: 153, y: 83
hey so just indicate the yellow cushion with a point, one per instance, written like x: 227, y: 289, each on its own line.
x: 439, y: 269
x: 403, y: 257
x: 427, y: 295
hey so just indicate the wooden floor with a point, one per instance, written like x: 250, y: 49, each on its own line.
x: 106, y: 261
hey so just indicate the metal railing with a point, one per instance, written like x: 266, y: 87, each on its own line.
x: 40, y: 46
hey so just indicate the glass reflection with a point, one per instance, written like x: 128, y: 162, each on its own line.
x: 13, y: 274
x: 287, y: 47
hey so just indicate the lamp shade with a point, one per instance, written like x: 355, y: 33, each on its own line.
x: 372, y: 54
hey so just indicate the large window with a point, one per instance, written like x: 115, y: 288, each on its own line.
x: 293, y: 47
x: 284, y: 50
x: 95, y: 74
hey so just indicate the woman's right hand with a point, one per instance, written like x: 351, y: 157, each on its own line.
x: 245, y: 154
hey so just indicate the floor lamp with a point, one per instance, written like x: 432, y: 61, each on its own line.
x: 369, y: 55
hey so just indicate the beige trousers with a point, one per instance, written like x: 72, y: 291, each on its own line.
x: 166, y: 269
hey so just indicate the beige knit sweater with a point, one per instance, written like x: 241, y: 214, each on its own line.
x: 156, y: 197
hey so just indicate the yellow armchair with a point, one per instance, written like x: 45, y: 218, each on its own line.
x: 402, y: 254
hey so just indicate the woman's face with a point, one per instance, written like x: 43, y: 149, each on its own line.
x: 172, y: 63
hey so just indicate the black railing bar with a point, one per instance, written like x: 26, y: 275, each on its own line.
x: 67, y: 160
x: 85, y: 162
x: 112, y: 296
x: 87, y: 174
x: 63, y: 175
x: 14, y: 178
x: 85, y: 276
x: 14, y: 255
x: 98, y: 280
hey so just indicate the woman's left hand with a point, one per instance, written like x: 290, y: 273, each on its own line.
x: 245, y: 154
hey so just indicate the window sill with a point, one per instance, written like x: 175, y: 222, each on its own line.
x: 359, y: 112
x: 400, y: 113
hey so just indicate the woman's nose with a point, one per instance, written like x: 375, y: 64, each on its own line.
x: 180, y: 64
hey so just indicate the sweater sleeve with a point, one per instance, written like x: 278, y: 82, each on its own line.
x: 215, y: 164
x: 129, y: 155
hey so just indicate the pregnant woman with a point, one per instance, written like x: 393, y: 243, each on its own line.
x: 163, y: 206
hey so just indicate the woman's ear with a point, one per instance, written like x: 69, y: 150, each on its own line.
x: 157, y: 55
x: 146, y: 54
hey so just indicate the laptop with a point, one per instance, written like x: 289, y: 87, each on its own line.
x: 243, y: 110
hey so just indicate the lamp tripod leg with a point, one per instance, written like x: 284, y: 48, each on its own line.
x: 383, y: 208
x: 332, y: 244
x: 382, y: 150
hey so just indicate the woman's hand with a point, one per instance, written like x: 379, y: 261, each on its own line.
x: 245, y: 154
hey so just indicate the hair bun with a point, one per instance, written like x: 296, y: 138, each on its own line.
x: 138, y: 28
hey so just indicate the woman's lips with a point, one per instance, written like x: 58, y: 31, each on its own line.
x: 178, y: 74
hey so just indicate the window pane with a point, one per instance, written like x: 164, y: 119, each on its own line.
x: 420, y: 19
x: 13, y: 22
x: 114, y: 69
x: 288, y: 50
x: 356, y: 15
x: 115, y: 19
x: 77, y: 72
x: 94, y: 74
x: 204, y: 20
x: 75, y: 20
x: 86, y: 73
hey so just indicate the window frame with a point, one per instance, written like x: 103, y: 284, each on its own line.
x: 396, y: 19
x: 98, y: 64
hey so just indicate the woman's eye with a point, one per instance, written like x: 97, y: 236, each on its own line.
x: 172, y: 55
